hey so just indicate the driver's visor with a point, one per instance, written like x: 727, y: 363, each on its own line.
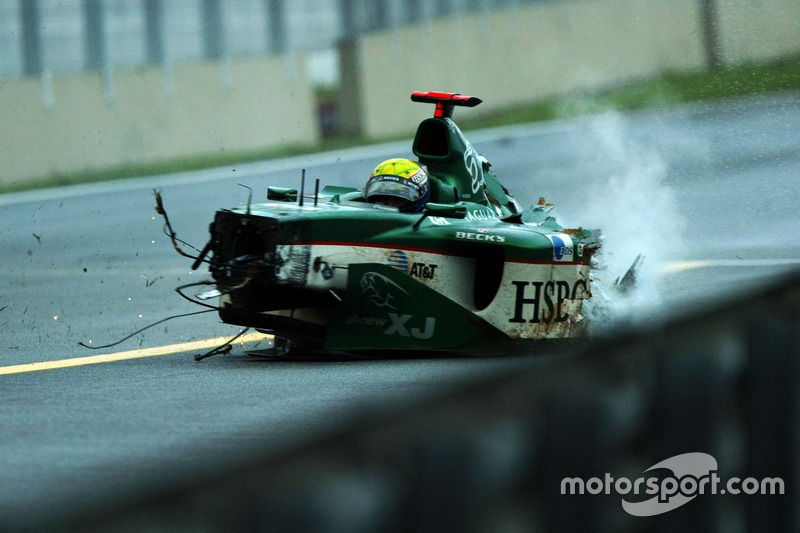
x: 392, y: 186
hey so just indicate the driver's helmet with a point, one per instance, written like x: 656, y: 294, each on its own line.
x: 400, y: 183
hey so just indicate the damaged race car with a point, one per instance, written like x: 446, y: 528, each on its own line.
x: 433, y: 255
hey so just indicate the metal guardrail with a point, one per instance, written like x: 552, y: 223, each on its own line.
x: 493, y: 455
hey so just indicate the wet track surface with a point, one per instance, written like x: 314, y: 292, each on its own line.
x: 708, y: 193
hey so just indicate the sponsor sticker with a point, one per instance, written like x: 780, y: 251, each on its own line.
x: 399, y: 260
x: 379, y: 291
x: 439, y: 221
x: 543, y: 301
x: 563, y: 249
x: 483, y: 237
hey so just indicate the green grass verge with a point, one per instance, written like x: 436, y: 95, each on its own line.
x: 668, y: 89
x: 665, y: 90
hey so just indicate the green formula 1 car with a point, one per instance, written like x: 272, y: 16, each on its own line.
x: 466, y: 269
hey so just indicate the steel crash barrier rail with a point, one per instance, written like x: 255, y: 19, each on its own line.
x: 685, y: 426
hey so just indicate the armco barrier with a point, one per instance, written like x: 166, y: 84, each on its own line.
x: 720, y: 387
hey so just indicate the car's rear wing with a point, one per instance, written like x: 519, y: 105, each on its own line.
x: 444, y: 101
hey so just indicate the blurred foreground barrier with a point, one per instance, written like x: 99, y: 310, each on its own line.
x: 564, y: 445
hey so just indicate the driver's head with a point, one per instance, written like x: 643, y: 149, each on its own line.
x: 400, y: 183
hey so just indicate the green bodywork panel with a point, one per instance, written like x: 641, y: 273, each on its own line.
x: 457, y: 170
x: 368, y: 224
x: 381, y: 310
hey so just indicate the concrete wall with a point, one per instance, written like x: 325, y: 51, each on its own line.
x: 89, y: 121
x: 758, y: 30
x: 523, y: 53
x: 74, y: 123
x: 520, y: 54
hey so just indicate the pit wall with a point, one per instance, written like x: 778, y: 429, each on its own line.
x: 519, y: 54
x: 94, y: 121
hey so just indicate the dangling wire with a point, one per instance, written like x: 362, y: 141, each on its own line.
x: 180, y: 290
x: 169, y: 232
x: 222, y: 349
x: 141, y: 330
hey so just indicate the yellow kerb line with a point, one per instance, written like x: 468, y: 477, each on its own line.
x: 156, y: 351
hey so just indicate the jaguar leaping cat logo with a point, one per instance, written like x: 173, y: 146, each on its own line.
x: 377, y: 290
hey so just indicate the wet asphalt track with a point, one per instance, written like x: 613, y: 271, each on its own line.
x: 709, y: 193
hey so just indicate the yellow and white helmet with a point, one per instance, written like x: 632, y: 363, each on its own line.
x: 400, y: 183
